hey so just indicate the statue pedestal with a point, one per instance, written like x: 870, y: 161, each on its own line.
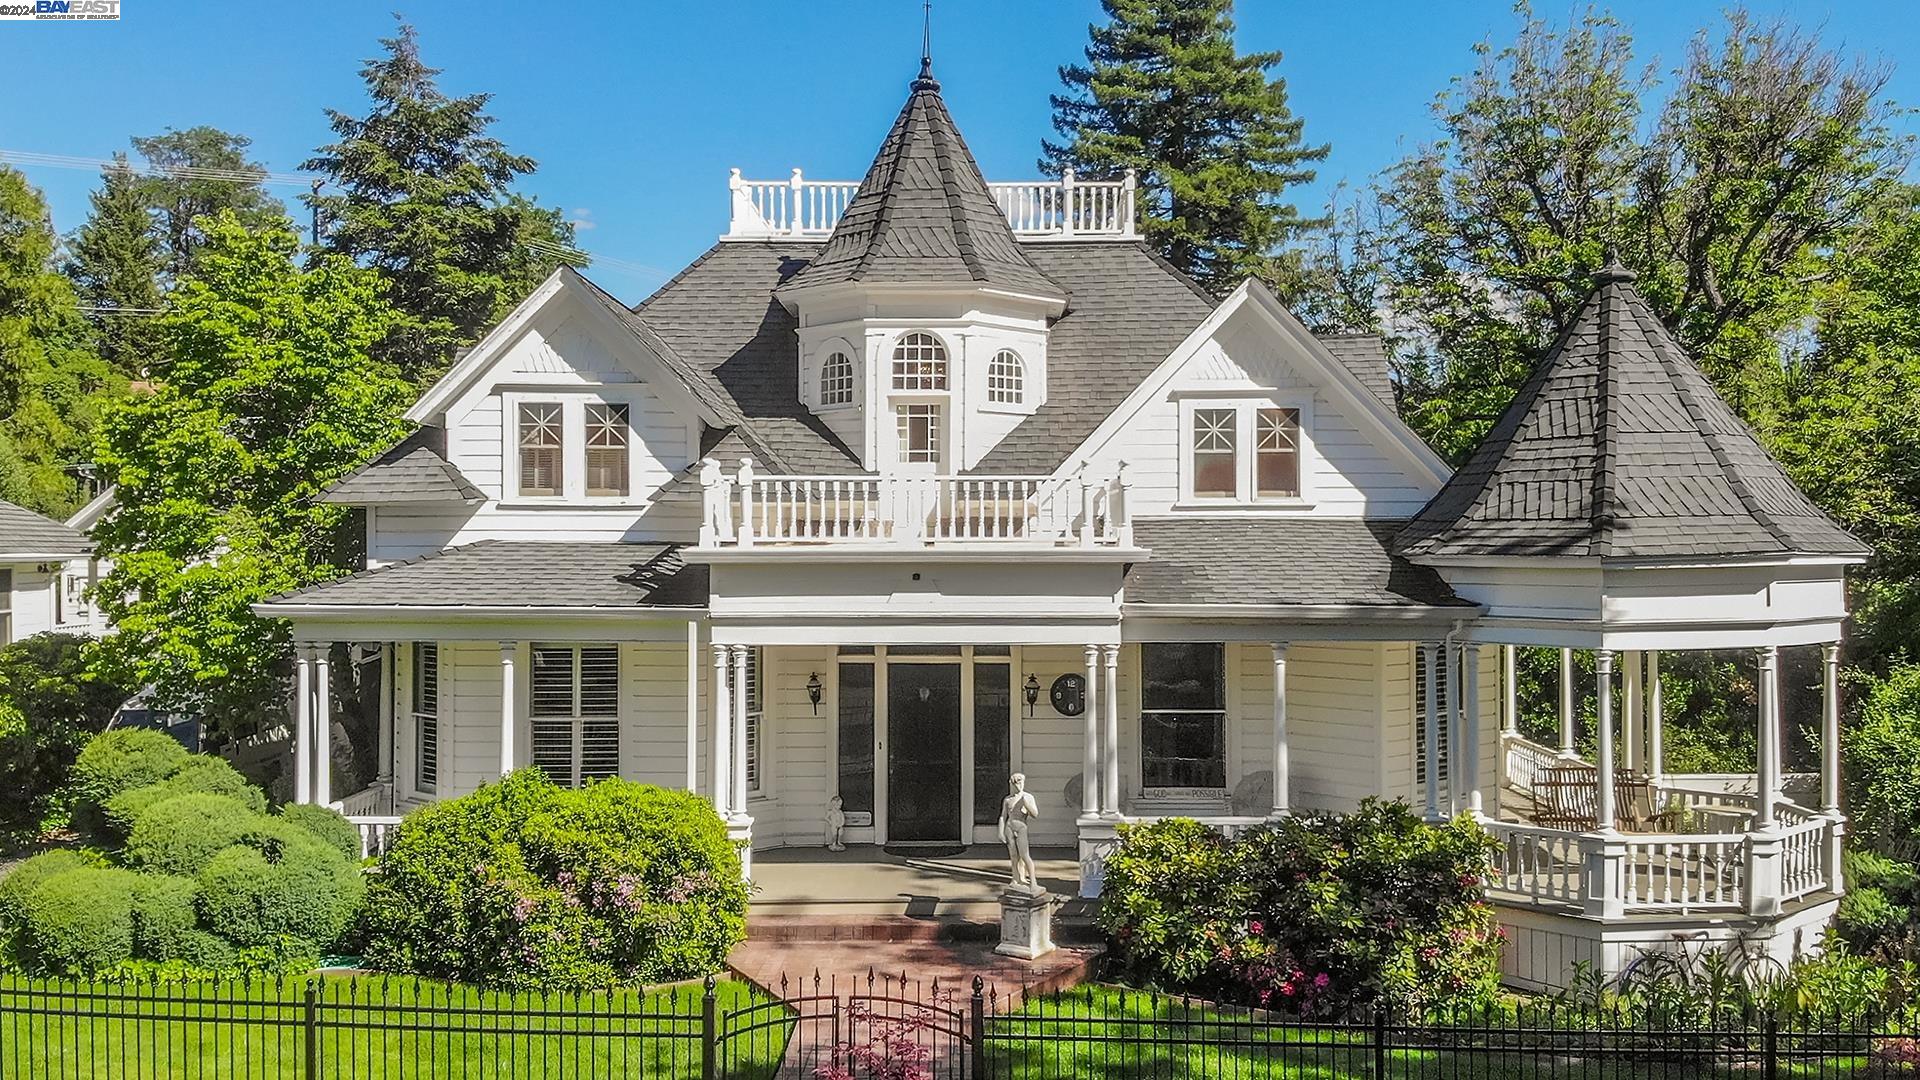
x: 1026, y: 922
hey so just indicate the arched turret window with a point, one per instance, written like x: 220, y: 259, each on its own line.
x: 919, y: 363
x: 836, y: 379
x: 1006, y: 378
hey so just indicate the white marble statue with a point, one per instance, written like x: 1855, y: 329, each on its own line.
x: 1017, y: 810
x: 836, y: 825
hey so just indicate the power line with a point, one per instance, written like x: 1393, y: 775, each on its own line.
x: 184, y: 172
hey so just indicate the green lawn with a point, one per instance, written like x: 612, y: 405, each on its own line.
x: 1160, y: 1037
x: 375, y: 1028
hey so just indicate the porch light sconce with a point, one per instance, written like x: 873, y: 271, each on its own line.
x: 1032, y: 692
x: 813, y: 691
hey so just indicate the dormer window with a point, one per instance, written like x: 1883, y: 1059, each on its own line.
x: 1276, y: 470
x: 836, y: 379
x: 919, y: 363
x: 540, y: 449
x: 607, y: 434
x: 1215, y: 460
x: 1251, y: 452
x: 1006, y: 378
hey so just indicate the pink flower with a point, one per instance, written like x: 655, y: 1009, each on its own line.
x: 1321, y: 980
x: 1256, y: 927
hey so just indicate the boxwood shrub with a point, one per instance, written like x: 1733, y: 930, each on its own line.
x: 525, y: 884
x: 117, y: 761
x: 179, y: 835
x: 296, y: 901
x: 163, y: 913
x: 326, y: 825
x: 80, y: 922
x: 24, y: 878
x: 1320, y: 914
x: 198, y: 775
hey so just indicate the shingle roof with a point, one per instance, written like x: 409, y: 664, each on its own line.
x: 1366, y: 356
x: 1278, y: 561
x: 516, y: 573
x: 411, y: 471
x: 23, y: 532
x: 1618, y: 447
x: 924, y: 213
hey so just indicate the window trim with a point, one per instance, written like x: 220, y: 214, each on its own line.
x: 826, y: 353
x: 573, y: 404
x: 577, y: 718
x: 941, y: 434
x: 894, y: 361
x: 1229, y: 676
x: 625, y: 410
x: 1246, y: 406
x: 1022, y: 383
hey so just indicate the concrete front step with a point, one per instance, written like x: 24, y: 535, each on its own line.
x: 797, y: 929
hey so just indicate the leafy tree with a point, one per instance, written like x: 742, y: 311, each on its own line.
x: 272, y: 392
x: 52, y: 700
x: 115, y: 265
x: 1164, y: 91
x: 51, y: 382
x: 203, y: 170
x: 425, y: 199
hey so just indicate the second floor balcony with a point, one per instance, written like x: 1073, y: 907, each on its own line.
x: 1075, y: 510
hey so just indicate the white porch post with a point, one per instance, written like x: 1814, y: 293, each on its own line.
x: 1509, y: 692
x: 693, y: 705
x: 1656, y: 715
x: 1450, y: 708
x: 1602, y: 850
x: 1603, y: 684
x: 509, y: 651
x: 1090, y: 741
x: 1830, y: 761
x: 1633, y: 696
x: 1282, y: 768
x: 302, y: 724
x: 1470, y: 726
x: 1430, y: 658
x: 1769, y: 764
x: 384, y: 769
x: 740, y: 677
x: 722, y: 733
x: 323, y: 724
x: 1567, y: 739
x: 1110, y: 738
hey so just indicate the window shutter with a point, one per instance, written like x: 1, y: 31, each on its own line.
x: 426, y: 715
x: 600, y: 681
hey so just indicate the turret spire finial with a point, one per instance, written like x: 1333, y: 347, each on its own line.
x: 926, y: 80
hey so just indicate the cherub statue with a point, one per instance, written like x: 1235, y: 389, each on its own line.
x: 836, y: 825
x: 1017, y: 810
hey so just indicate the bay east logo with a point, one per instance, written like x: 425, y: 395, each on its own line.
x: 62, y: 10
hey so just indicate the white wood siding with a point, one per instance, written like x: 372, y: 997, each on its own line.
x: 1050, y: 745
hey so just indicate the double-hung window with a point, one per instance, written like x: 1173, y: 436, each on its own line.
x: 426, y: 715
x: 542, y: 448
x: 576, y: 712
x: 607, y: 438
x: 1216, y: 459
x: 1183, y: 715
x: 1244, y: 452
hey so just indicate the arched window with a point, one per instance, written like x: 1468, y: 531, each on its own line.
x: 919, y: 363
x: 836, y: 379
x: 1006, y: 378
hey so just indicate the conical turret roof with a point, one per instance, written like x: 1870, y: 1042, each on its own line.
x: 1619, y: 447
x: 924, y: 214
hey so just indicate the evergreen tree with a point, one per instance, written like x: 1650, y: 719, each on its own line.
x: 115, y: 265
x: 203, y: 171
x: 51, y: 381
x: 1165, y: 92
x: 425, y: 198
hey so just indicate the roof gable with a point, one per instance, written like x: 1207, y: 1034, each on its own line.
x: 1618, y: 446
x: 25, y: 534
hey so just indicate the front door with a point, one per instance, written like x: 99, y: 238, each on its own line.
x: 923, y: 753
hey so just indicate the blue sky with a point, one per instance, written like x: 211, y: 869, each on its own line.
x: 636, y: 111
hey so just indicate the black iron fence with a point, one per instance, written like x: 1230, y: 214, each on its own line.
x: 881, y: 1027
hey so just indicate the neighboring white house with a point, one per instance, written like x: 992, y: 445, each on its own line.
x: 913, y: 482
x: 46, y: 571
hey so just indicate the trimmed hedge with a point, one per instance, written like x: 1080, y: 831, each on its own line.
x: 179, y: 835
x: 163, y: 913
x: 326, y: 825
x: 297, y: 903
x: 29, y: 875
x: 117, y: 761
x: 198, y: 776
x: 528, y: 885
x: 80, y: 922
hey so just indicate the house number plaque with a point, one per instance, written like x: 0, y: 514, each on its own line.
x: 1069, y: 694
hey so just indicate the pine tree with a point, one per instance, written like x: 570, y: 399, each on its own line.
x: 200, y: 172
x: 1165, y: 92
x: 115, y: 266
x: 426, y: 200
x: 51, y: 382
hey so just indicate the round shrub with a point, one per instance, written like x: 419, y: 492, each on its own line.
x: 80, y: 922
x: 326, y: 825
x: 200, y: 775
x: 117, y: 761
x: 23, y: 879
x: 524, y: 884
x: 163, y: 913
x: 178, y: 835
x: 297, y: 900
x: 206, y: 951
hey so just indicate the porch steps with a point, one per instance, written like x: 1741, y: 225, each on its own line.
x: 797, y: 929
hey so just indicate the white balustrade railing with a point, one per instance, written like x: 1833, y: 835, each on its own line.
x: 1682, y: 872
x: 373, y: 799
x: 1803, y: 858
x: 1525, y: 759
x: 748, y: 509
x: 1065, y: 208
x: 1537, y: 863
x: 376, y: 832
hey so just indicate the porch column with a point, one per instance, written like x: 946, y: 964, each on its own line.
x: 1656, y: 716
x: 1110, y: 739
x: 384, y: 774
x: 1566, y: 704
x: 323, y: 724
x: 693, y: 705
x: 1769, y: 764
x: 1282, y: 768
x: 722, y: 733
x: 740, y: 676
x: 1090, y: 741
x: 1603, y: 731
x: 302, y: 724
x: 1430, y: 659
x: 1633, y: 695
x: 1830, y: 762
x: 1509, y: 692
x: 508, y: 653
x: 1450, y: 708
x: 1470, y: 726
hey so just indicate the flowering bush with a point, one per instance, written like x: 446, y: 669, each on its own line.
x: 527, y: 885
x: 1316, y: 914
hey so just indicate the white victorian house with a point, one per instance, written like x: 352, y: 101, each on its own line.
x: 47, y: 573
x: 911, y: 483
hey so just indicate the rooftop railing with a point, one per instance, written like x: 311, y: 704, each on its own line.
x: 1067, y: 208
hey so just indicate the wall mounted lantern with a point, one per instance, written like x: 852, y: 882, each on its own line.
x: 813, y: 691
x: 1032, y: 692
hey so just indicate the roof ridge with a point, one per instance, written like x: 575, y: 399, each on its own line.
x: 1600, y: 515
x: 962, y: 231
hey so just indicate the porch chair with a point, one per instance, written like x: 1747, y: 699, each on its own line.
x: 1566, y: 797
